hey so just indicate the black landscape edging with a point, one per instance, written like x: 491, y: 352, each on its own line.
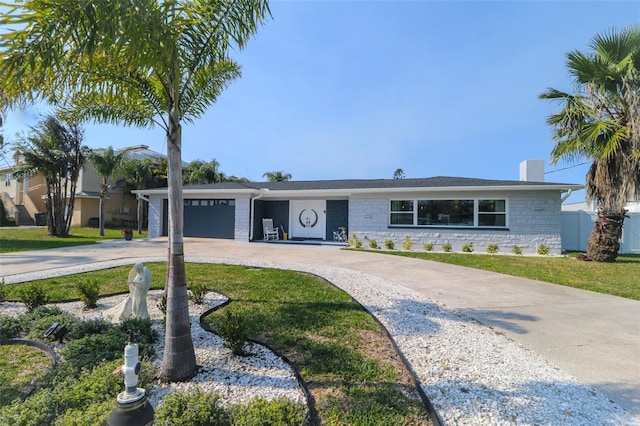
x: 312, y: 416
x: 433, y: 414
x: 36, y: 344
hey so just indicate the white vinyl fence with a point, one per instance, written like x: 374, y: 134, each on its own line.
x: 577, y: 227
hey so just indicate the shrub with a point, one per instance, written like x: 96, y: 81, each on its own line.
x: 33, y: 295
x: 492, y: 248
x: 261, y: 411
x: 35, y: 323
x: 85, y: 328
x: 467, y: 248
x: 233, y: 329
x: 9, y: 327
x: 197, y: 291
x: 3, y: 291
x: 407, y: 243
x: 446, y: 247
x: 354, y: 241
x: 373, y: 244
x: 388, y: 244
x: 517, y: 250
x: 89, y: 292
x: 427, y: 247
x: 192, y: 409
x: 543, y: 250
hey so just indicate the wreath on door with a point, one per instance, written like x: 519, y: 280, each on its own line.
x: 304, y: 225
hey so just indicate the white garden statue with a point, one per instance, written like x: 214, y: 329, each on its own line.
x: 135, y: 305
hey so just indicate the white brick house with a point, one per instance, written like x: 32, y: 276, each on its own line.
x: 433, y: 210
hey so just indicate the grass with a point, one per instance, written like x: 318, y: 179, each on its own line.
x: 37, y: 238
x: 619, y: 278
x: 340, y: 351
x: 16, y: 381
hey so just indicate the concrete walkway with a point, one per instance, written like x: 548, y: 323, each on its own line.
x: 594, y: 337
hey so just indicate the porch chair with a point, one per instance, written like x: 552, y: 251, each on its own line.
x: 270, y: 233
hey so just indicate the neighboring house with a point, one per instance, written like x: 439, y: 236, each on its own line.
x: 26, y: 200
x: 433, y: 210
x: 578, y: 220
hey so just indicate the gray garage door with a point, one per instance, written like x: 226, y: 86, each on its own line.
x: 206, y: 218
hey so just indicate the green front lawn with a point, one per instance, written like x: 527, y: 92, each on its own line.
x: 21, y: 239
x: 620, y: 278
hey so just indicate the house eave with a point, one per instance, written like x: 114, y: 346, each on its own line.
x: 345, y: 192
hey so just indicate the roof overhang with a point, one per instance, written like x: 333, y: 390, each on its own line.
x: 274, y: 193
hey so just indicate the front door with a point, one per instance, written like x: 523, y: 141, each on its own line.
x: 308, y: 219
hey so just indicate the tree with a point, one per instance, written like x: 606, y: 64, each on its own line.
x: 398, y: 174
x: 139, y: 175
x: 54, y: 149
x: 199, y: 171
x: 106, y: 163
x: 142, y: 63
x: 600, y: 122
x: 277, y: 176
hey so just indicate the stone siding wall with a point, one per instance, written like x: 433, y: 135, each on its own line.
x: 533, y: 220
x: 155, y: 217
x: 242, y: 220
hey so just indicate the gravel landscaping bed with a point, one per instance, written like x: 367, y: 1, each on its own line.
x: 471, y: 374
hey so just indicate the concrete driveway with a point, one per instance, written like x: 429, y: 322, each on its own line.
x: 594, y: 337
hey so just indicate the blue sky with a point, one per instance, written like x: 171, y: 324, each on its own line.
x: 357, y: 89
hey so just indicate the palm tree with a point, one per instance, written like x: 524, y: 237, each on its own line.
x: 277, y: 176
x: 139, y: 175
x: 142, y: 63
x: 600, y: 122
x: 54, y: 149
x: 398, y: 174
x: 106, y: 162
x: 199, y: 171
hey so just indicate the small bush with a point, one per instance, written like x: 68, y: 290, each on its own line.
x: 388, y: 244
x: 354, y: 241
x: 427, y: 247
x: 197, y: 291
x: 543, y: 250
x: 407, y: 243
x: 233, y: 329
x: 467, y: 248
x: 446, y: 247
x: 492, y: 248
x: 3, y: 291
x: 192, y: 409
x: 517, y: 250
x: 9, y: 327
x: 33, y: 295
x: 373, y: 244
x: 261, y: 411
x: 89, y: 292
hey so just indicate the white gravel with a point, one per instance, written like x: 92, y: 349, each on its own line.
x: 472, y: 374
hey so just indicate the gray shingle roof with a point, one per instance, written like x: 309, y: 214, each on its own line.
x: 432, y: 182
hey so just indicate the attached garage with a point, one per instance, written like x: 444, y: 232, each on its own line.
x: 205, y: 218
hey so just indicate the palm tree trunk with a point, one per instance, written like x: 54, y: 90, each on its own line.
x: 179, y: 359
x: 604, y: 243
x: 140, y: 214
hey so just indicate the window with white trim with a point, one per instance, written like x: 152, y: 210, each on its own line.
x: 456, y: 213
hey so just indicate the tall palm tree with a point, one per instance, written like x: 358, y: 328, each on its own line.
x: 106, y: 162
x: 137, y: 62
x: 600, y: 122
x: 277, y: 176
